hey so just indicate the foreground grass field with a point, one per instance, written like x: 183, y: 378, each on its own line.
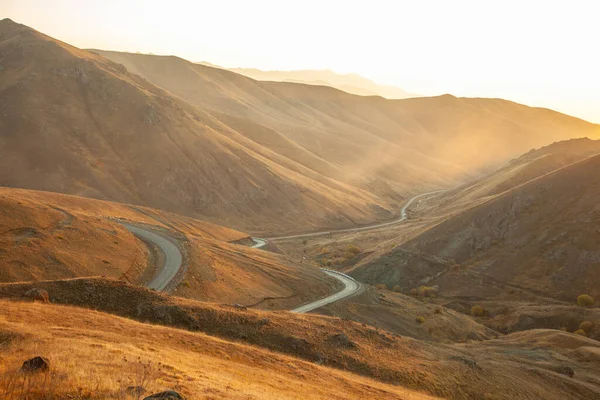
x: 97, y: 356
x: 207, y: 350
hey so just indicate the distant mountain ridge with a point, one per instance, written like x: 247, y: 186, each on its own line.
x: 351, y: 83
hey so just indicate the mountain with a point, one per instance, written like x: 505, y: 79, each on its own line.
x: 405, y: 142
x: 77, y: 123
x: 537, y: 242
x: 264, y: 157
x: 351, y: 83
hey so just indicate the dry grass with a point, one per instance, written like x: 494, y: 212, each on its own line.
x: 521, y: 367
x: 97, y: 356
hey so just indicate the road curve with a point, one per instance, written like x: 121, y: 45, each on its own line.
x: 350, y: 287
x: 258, y: 243
x: 173, y: 258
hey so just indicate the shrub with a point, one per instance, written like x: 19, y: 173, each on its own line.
x: 381, y: 286
x: 586, y: 326
x: 326, y: 262
x: 420, y: 319
x: 477, y: 311
x: 580, y: 332
x: 354, y: 250
x: 438, y: 310
x: 338, y: 260
x: 427, y: 291
x: 585, y: 300
x: 397, y: 289
x: 413, y: 291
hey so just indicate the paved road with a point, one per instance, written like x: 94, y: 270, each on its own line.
x: 403, y: 217
x: 350, y: 287
x: 173, y: 258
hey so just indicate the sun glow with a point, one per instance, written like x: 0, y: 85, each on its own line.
x: 541, y: 53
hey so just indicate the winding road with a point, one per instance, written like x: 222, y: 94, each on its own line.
x: 351, y: 286
x: 173, y: 259
x: 403, y: 217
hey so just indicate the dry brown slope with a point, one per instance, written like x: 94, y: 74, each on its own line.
x: 518, y: 171
x: 114, y: 135
x: 540, y: 238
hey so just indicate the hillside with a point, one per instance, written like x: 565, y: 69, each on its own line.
x: 115, y: 136
x: 404, y: 142
x: 45, y: 236
x: 42, y: 238
x: 537, y: 243
x: 518, y: 171
x: 281, y: 355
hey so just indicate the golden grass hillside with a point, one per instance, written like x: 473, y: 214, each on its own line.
x: 537, y: 364
x: 45, y: 239
x: 98, y: 356
x: 52, y: 236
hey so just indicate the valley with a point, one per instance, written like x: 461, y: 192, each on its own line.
x: 171, y: 225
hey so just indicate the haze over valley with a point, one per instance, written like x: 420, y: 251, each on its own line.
x: 172, y: 229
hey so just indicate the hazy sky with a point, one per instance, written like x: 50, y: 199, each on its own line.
x: 541, y: 53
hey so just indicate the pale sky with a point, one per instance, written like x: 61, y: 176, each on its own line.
x: 540, y: 53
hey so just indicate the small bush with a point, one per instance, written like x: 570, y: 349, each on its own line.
x: 438, y: 310
x: 381, y: 286
x: 427, y: 291
x: 585, y: 300
x: 586, y: 326
x: 326, y: 262
x: 420, y: 319
x: 413, y: 292
x: 338, y: 260
x: 397, y: 289
x: 354, y: 250
x: 477, y: 311
x: 580, y: 332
